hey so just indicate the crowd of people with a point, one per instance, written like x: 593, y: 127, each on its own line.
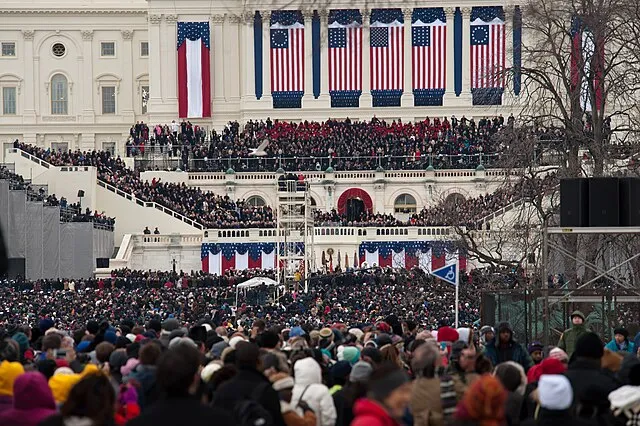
x: 309, y: 145
x: 215, y: 211
x: 374, y: 348
x: 69, y: 212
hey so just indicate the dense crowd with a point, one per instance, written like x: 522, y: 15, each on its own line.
x: 69, y: 212
x: 309, y: 145
x: 215, y: 211
x: 373, y: 348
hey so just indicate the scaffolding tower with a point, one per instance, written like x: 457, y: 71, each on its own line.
x: 294, y: 238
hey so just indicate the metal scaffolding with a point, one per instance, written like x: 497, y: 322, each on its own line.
x: 295, y: 246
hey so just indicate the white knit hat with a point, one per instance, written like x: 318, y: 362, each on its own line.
x: 208, y: 371
x: 555, y: 392
x: 235, y: 340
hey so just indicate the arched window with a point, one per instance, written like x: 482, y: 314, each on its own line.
x: 454, y: 199
x: 256, y: 201
x: 405, y: 203
x: 59, y: 95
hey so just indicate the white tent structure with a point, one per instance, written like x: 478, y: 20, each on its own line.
x: 257, y: 282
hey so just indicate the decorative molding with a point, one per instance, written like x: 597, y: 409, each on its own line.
x: 249, y: 17
x: 87, y: 35
x: 154, y: 19
x: 127, y: 34
x: 407, y: 12
x: 58, y: 118
x: 73, y: 12
x: 324, y: 15
x: 307, y: 15
x: 217, y: 19
x: 234, y: 19
x: 466, y: 12
x: 366, y: 14
x: 108, y: 79
x: 28, y: 34
x: 449, y: 11
x: 266, y: 16
x: 171, y: 19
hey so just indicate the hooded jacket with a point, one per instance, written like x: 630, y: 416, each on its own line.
x: 32, y: 401
x: 512, y: 351
x: 370, y: 413
x: 308, y: 385
x: 571, y: 335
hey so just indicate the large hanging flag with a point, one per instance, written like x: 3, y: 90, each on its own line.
x: 287, y: 58
x: 219, y: 258
x: 586, y: 65
x: 488, y: 55
x: 345, y: 57
x: 425, y: 255
x: 194, y: 74
x: 429, y: 55
x: 387, y: 56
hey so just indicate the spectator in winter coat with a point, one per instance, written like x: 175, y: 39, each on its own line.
x: 620, y: 342
x: 591, y: 386
x: 309, y: 388
x: 145, y: 375
x: 249, y: 384
x: 387, y: 399
x: 555, y: 397
x: 9, y: 372
x: 505, y: 348
x: 483, y: 404
x: 570, y: 337
x: 32, y: 401
x: 302, y: 415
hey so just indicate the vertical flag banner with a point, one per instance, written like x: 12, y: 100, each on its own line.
x: 387, y: 57
x: 257, y: 53
x: 426, y: 255
x: 194, y: 70
x: 587, y: 57
x: 287, y: 58
x: 429, y: 55
x: 345, y: 57
x: 517, y: 50
x: 315, y: 54
x: 457, y: 51
x: 488, y: 55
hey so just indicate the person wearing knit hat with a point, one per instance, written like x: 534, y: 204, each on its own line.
x: 283, y: 384
x: 547, y: 366
x: 555, y: 394
x: 589, y: 383
x: 484, y: 402
x: 340, y: 373
x: 535, y: 352
x: 360, y: 372
x: 208, y: 370
x: 487, y: 334
x: 559, y: 354
x: 620, y: 342
x: 233, y: 342
x: 9, y: 372
x: 388, y: 397
x: 61, y: 384
x: 23, y: 343
x: 32, y: 401
x: 357, y: 333
x: 505, y: 348
x: 570, y: 336
x: 447, y: 334
x: 351, y: 354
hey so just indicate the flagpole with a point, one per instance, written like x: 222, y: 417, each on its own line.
x: 457, y: 288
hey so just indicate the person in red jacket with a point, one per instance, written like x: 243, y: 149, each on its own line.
x: 387, y: 398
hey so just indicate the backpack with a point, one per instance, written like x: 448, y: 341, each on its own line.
x: 249, y: 412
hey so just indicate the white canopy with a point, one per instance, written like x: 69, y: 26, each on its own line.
x: 256, y: 282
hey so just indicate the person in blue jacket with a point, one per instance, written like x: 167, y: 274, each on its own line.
x: 505, y: 348
x: 621, y: 342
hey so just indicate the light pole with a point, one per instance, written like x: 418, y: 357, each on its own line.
x: 330, y: 151
x: 430, y: 151
x: 480, y: 150
x: 280, y: 158
x: 230, y: 153
x: 379, y: 152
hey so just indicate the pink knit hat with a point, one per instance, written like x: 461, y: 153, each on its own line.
x: 131, y: 364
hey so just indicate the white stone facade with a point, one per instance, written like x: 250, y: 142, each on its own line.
x: 104, y: 55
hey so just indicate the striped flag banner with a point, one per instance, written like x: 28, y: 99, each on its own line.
x: 194, y: 75
x: 429, y: 55
x: 387, y: 56
x: 488, y: 55
x: 287, y: 58
x: 586, y: 62
x: 345, y: 57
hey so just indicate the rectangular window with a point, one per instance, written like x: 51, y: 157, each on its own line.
x: 145, y: 98
x: 8, y: 100
x: 108, y: 48
x: 108, y: 100
x: 144, y: 49
x: 109, y: 147
x: 8, y: 49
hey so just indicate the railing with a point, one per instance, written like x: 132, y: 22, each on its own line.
x: 149, y: 204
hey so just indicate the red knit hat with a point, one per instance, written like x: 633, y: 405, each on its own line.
x: 547, y: 366
x: 447, y: 334
x: 383, y: 327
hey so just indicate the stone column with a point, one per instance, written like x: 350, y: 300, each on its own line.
x: 219, y: 60
x: 366, y: 100
x: 88, y: 112
x: 155, y: 70
x: 247, y: 82
x: 407, y: 94
x: 308, y: 58
x: 232, y: 73
x: 124, y: 104
x: 449, y: 93
x: 266, y: 57
x: 324, y: 57
x: 28, y: 105
x: 170, y: 70
x: 466, y: 54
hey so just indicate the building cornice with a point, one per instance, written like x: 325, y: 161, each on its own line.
x: 73, y: 12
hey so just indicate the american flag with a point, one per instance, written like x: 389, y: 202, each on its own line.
x: 428, y: 41
x: 287, y: 56
x: 387, y: 49
x: 345, y: 50
x: 488, y: 47
x: 586, y: 64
